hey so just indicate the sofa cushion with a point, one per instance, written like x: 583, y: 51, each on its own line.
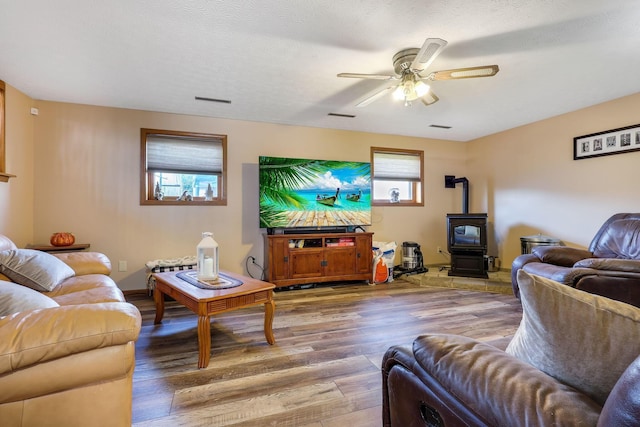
x: 87, y: 289
x: 35, y: 269
x: 15, y: 298
x: 86, y: 262
x: 621, y: 239
x: 583, y: 340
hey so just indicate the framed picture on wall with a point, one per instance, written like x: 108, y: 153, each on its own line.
x: 614, y: 141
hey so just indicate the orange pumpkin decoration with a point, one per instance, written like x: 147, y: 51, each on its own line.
x: 62, y: 239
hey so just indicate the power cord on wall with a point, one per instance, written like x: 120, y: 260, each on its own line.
x: 252, y: 259
x: 446, y: 255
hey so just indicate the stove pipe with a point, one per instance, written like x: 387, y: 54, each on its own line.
x: 450, y: 181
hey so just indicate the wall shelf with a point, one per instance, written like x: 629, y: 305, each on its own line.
x: 4, y: 177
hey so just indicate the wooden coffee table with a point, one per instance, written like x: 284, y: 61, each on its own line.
x: 206, y: 302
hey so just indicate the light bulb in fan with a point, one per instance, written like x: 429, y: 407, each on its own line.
x: 398, y: 94
x: 421, y: 89
x: 405, y: 92
x: 410, y: 89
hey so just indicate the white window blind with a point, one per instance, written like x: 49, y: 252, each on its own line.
x: 177, y: 154
x: 394, y: 166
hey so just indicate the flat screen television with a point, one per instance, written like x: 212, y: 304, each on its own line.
x: 313, y: 194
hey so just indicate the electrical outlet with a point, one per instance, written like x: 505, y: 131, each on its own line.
x: 122, y: 265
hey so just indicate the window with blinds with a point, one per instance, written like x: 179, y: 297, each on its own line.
x: 182, y: 168
x: 397, y: 176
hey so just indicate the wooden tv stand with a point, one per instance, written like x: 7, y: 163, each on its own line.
x: 296, y: 259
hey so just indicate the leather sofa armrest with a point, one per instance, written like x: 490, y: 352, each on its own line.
x: 610, y: 264
x: 564, y: 256
x: 565, y: 275
x: 31, y: 337
x: 519, y: 262
x: 410, y: 396
x: 398, y: 355
x: 499, y: 387
x: 86, y: 262
x: 622, y: 408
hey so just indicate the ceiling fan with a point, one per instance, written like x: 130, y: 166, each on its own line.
x: 409, y: 81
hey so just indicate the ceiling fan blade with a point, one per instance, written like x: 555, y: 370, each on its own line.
x: 430, y: 98
x: 375, y: 95
x: 465, y: 73
x: 427, y: 53
x: 367, y: 76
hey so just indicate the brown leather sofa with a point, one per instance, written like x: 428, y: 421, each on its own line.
x: 451, y: 380
x: 70, y: 364
x: 610, y: 267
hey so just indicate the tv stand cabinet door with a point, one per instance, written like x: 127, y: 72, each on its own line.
x: 364, y: 253
x: 278, y: 253
x: 340, y: 261
x: 305, y: 263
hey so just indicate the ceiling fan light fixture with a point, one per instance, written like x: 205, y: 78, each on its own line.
x: 398, y: 94
x: 421, y: 89
x: 410, y: 89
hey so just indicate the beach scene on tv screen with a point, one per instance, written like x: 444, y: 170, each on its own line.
x: 313, y: 193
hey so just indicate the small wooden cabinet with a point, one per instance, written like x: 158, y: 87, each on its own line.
x: 295, y: 259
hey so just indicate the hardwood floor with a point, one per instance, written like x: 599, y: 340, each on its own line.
x: 324, y: 369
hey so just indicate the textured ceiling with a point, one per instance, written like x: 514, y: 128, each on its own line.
x: 276, y: 61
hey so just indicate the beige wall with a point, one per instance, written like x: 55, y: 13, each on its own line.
x: 528, y: 182
x: 84, y: 178
x: 16, y: 196
x: 87, y: 176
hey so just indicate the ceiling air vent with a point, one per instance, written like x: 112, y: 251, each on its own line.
x: 223, y: 101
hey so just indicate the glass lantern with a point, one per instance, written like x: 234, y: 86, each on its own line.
x: 207, y: 252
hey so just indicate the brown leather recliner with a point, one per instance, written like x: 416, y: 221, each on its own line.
x: 610, y: 267
x: 451, y: 381
x: 446, y: 380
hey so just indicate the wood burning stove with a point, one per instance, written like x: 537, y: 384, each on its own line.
x: 467, y: 244
x: 466, y: 236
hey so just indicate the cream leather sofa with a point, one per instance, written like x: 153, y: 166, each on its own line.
x: 67, y: 355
